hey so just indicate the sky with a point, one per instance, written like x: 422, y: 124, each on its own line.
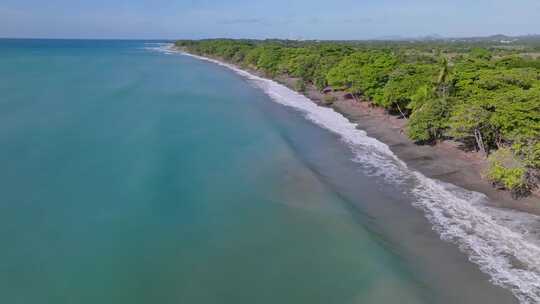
x: 293, y: 19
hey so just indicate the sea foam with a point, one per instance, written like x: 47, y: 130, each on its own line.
x: 499, y: 241
x: 166, y: 48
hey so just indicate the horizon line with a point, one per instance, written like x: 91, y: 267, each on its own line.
x: 381, y: 38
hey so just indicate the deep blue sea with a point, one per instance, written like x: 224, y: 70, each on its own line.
x: 130, y: 175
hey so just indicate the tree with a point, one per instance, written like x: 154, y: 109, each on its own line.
x: 480, y: 53
x: 363, y: 73
x: 269, y: 59
x: 471, y: 120
x: 343, y: 75
x: 403, y: 85
x: 429, y: 121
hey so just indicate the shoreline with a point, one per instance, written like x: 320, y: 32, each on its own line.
x: 443, y: 161
x: 501, y: 239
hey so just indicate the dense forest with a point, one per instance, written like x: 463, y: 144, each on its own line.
x: 484, y: 95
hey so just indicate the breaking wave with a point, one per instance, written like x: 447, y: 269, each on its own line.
x: 165, y: 48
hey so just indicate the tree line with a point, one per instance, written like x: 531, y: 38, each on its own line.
x: 488, y: 99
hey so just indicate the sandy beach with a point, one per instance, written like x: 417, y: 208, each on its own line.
x: 444, y: 161
x: 499, y: 234
x: 270, y: 152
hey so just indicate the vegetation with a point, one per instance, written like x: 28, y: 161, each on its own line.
x: 508, y: 172
x: 329, y: 99
x: 477, y: 92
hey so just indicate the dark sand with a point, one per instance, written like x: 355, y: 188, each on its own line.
x: 445, y: 161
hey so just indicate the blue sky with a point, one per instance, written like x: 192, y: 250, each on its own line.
x: 307, y: 19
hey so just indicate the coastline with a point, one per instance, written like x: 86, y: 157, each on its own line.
x: 501, y: 238
x: 444, y: 161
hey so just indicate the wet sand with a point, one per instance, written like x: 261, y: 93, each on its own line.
x: 444, y: 161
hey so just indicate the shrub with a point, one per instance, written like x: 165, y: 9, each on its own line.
x: 529, y: 151
x: 508, y: 172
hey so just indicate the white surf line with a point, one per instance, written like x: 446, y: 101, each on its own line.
x: 496, y: 240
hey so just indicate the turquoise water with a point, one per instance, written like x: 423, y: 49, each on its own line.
x: 132, y: 176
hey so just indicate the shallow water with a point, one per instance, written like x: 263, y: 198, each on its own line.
x: 134, y: 176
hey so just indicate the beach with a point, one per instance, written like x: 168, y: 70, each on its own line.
x: 463, y: 208
x: 445, y: 160
x: 137, y: 174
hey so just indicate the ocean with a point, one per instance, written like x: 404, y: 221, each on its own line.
x: 134, y: 174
